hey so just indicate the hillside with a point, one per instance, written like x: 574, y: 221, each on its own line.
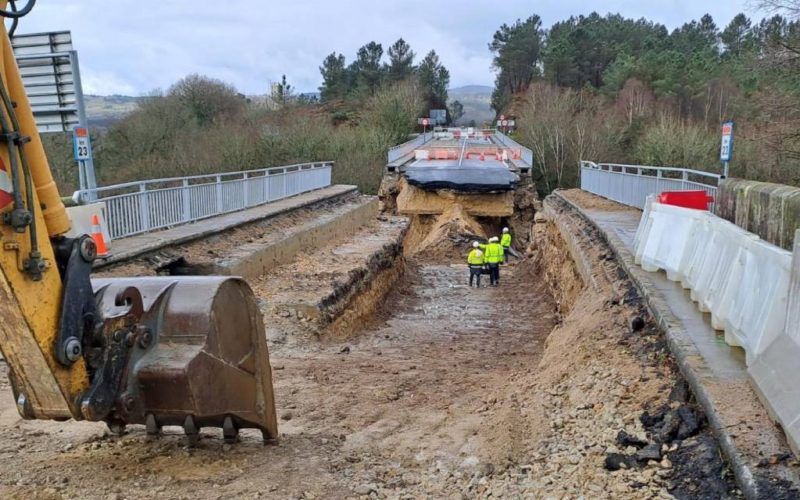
x: 477, y: 103
x: 103, y: 110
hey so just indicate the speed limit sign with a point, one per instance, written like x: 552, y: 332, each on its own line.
x: 505, y: 123
x: 425, y: 121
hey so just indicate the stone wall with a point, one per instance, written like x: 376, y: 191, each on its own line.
x: 772, y: 211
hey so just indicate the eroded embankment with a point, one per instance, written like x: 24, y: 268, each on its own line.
x: 334, y: 289
x: 622, y: 422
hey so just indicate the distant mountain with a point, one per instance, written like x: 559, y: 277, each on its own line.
x: 477, y: 101
x: 104, y: 110
x: 471, y: 90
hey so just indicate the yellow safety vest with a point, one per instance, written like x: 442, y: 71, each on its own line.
x: 494, y: 253
x: 475, y: 257
x: 505, y: 240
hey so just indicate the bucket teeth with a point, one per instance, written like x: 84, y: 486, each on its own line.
x: 229, y: 430
x: 153, y: 428
x: 116, y: 427
x: 191, y: 430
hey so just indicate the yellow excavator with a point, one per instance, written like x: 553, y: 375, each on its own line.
x: 188, y: 351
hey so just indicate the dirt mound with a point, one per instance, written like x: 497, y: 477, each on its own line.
x: 445, y: 237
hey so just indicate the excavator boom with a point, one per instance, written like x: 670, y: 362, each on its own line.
x: 156, y: 351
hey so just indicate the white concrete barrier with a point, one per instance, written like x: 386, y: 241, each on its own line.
x: 753, y: 312
x: 750, y: 287
x: 774, y: 371
x: 665, y: 240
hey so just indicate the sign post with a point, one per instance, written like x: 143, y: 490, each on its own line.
x: 82, y: 150
x: 424, y: 122
x: 726, y: 148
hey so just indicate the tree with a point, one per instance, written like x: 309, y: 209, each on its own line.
x: 434, y: 79
x: 335, y: 78
x: 737, y: 36
x: 456, y: 111
x: 401, y: 61
x: 207, y: 98
x: 282, y: 93
x: 367, y: 68
x: 789, y: 7
x: 517, y: 54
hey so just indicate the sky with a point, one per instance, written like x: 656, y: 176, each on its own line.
x: 132, y: 47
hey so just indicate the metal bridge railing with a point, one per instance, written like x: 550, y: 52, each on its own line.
x: 527, y: 154
x: 139, y: 207
x: 631, y: 184
x: 407, y: 148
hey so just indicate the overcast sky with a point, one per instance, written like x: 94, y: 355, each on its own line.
x: 131, y: 47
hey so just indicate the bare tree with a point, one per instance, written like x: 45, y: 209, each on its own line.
x: 789, y: 8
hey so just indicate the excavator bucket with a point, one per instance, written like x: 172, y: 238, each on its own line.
x: 188, y: 351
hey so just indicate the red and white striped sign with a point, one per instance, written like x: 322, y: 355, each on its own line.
x: 6, y: 188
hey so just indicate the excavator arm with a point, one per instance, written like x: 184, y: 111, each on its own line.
x: 154, y: 351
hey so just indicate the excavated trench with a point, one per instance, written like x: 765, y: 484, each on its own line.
x: 393, y: 379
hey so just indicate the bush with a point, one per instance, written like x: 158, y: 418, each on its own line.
x: 203, y: 126
x: 672, y: 142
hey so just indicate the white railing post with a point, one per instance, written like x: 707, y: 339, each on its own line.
x: 246, y: 191
x: 144, y: 210
x: 186, y: 201
x: 218, y: 180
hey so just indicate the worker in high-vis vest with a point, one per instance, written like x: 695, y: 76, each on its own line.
x: 475, y: 261
x: 493, y: 257
x: 505, y: 242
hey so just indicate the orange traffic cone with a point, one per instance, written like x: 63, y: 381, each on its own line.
x: 97, y: 236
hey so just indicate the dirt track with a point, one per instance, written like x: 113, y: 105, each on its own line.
x: 408, y: 404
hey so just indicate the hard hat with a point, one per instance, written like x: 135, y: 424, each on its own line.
x: 475, y: 244
x: 494, y: 239
x: 505, y: 229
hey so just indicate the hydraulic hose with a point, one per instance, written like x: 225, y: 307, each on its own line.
x: 16, y: 146
x: 16, y: 14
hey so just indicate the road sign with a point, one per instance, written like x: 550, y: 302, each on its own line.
x: 50, y: 74
x: 726, y: 149
x: 81, y: 144
x: 505, y: 123
x: 6, y: 188
x: 425, y: 122
x: 502, y: 117
x: 438, y: 117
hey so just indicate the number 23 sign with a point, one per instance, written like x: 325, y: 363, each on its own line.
x: 81, y: 144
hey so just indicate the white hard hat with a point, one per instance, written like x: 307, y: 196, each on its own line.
x: 494, y: 239
x: 505, y: 229
x: 475, y: 244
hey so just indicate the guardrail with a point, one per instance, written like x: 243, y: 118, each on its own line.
x: 138, y: 207
x: 527, y: 154
x: 632, y: 184
x: 407, y: 148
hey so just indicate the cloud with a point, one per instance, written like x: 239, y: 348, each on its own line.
x: 132, y: 47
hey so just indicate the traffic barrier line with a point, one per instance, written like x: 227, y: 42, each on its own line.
x: 744, y: 282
